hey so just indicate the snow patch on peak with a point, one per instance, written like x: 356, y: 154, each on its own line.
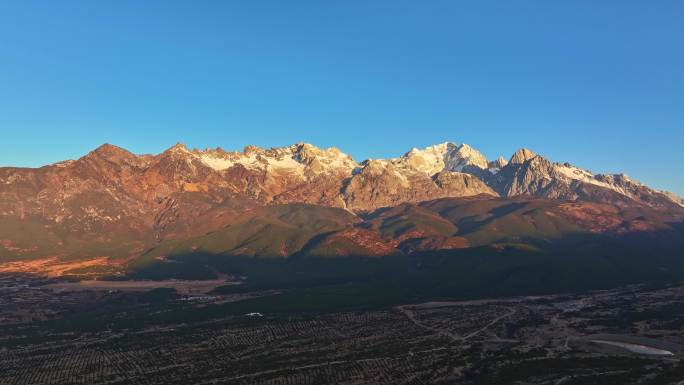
x: 467, y: 156
x: 445, y: 156
x: 619, y: 183
x: 299, y: 158
x: 501, y: 162
x: 322, y: 159
x: 216, y: 161
x: 496, y: 165
x: 430, y: 160
x: 573, y: 172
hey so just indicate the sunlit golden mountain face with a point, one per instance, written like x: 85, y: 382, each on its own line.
x: 110, y: 208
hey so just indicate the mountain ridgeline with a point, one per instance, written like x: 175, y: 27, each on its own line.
x: 115, y: 212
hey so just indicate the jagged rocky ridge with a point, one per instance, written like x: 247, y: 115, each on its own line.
x: 128, y: 202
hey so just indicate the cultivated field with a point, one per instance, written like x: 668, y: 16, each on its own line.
x: 101, y: 337
x: 181, y: 286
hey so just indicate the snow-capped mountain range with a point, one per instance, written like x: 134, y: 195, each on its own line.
x: 525, y: 173
x: 303, y: 172
x: 121, y: 204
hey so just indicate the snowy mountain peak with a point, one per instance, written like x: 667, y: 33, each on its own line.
x: 496, y: 165
x: 521, y: 156
x: 320, y: 160
x: 445, y: 156
x: 500, y: 163
x: 467, y: 156
x: 301, y: 158
x: 430, y: 160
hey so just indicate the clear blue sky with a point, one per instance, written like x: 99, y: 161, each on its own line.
x: 597, y: 83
